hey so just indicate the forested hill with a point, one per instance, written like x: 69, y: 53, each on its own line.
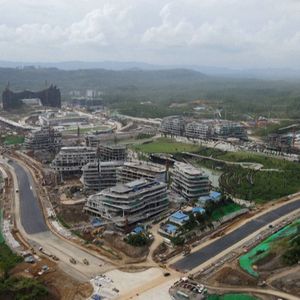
x: 101, y: 79
x: 126, y: 90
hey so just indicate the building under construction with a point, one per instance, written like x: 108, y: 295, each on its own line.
x: 173, y: 125
x: 112, y: 152
x: 190, y: 182
x: 280, y: 142
x: 130, y: 203
x: 47, y: 139
x: 70, y: 160
x: 98, y: 175
x: 203, y: 129
x: 141, y: 169
x: 199, y: 130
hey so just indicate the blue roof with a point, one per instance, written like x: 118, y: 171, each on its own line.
x: 215, y: 195
x: 204, y: 198
x: 180, y: 216
x: 138, y: 229
x: 170, y: 228
x: 198, y: 210
x: 96, y: 222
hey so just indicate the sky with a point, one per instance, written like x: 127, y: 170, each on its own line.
x: 221, y: 33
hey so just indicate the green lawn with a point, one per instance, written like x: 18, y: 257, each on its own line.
x: 14, y: 139
x: 224, y: 210
x: 165, y: 145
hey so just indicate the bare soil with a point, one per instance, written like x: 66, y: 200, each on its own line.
x: 58, y: 283
x: 234, y: 277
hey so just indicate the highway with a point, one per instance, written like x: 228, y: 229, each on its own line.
x: 31, y: 213
x: 201, y: 256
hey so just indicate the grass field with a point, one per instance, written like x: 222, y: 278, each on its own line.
x: 164, y: 145
x: 222, y: 211
x: 14, y: 139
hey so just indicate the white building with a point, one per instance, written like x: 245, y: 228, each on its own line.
x: 190, y: 182
x: 126, y: 204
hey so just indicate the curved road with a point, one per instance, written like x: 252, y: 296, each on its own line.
x: 199, y: 257
x: 31, y: 213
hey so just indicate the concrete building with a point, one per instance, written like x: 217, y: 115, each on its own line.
x: 190, y: 182
x: 95, y: 139
x: 228, y: 129
x: 112, y: 152
x: 51, y: 118
x: 97, y: 176
x: 199, y: 130
x: 127, y: 204
x: 141, y: 169
x: 70, y: 160
x: 46, y: 138
x: 173, y: 125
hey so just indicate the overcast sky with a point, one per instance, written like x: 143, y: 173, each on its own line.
x: 231, y: 33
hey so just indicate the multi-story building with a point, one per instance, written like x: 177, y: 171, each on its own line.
x: 127, y: 204
x: 52, y: 118
x: 190, y: 182
x: 173, y: 125
x: 95, y: 139
x: 97, y: 175
x: 228, y: 129
x: 46, y: 138
x: 140, y: 169
x: 199, y: 130
x: 70, y: 160
x: 112, y: 152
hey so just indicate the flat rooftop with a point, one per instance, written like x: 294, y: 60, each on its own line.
x: 189, y: 169
x: 146, y: 166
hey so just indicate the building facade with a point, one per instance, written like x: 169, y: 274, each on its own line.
x: 70, y: 160
x: 140, y: 169
x: 112, y: 152
x: 127, y: 204
x: 46, y: 138
x: 173, y: 125
x: 199, y: 130
x: 190, y: 182
x: 97, y: 175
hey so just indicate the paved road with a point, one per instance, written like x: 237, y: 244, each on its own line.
x: 197, y: 258
x: 31, y: 214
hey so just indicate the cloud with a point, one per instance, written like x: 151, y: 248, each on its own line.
x: 220, y: 32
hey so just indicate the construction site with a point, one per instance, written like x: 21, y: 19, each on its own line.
x: 106, y: 214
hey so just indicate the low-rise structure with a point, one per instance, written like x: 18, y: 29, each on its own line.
x: 98, y: 175
x: 45, y: 138
x: 212, y: 197
x: 140, y: 169
x: 190, y: 182
x: 70, y: 160
x: 127, y: 204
